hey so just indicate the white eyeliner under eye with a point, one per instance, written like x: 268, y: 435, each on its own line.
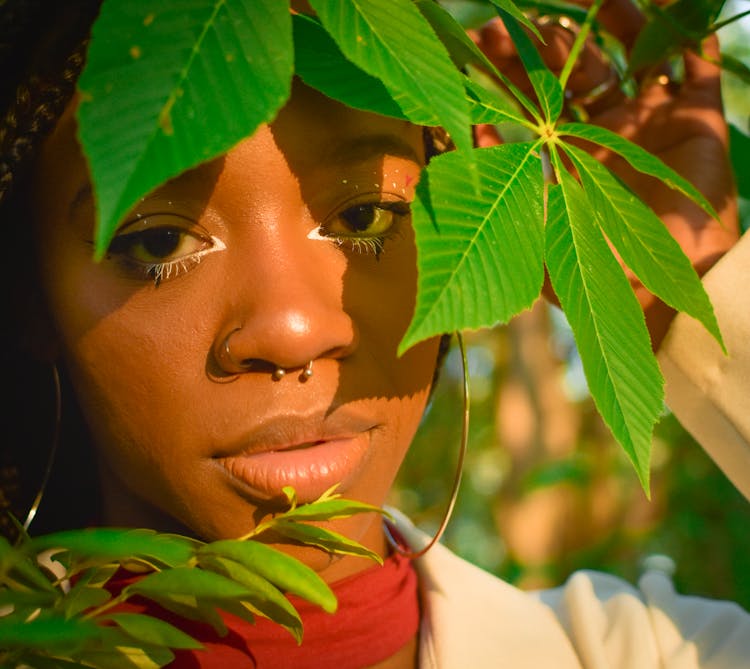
x: 162, y: 271
x: 315, y: 233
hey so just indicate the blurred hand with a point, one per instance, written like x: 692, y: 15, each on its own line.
x: 683, y: 124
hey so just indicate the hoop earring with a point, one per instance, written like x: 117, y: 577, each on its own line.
x: 395, y: 545
x: 53, y: 450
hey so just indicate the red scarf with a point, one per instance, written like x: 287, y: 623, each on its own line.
x: 378, y: 614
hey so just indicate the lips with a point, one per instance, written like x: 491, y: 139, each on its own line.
x: 309, y: 453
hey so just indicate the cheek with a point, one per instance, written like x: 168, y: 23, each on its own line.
x: 380, y: 296
x: 142, y: 391
x: 131, y: 359
x: 130, y: 386
x: 408, y: 380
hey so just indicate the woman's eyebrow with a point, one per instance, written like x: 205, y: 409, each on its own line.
x: 364, y: 147
x: 83, y: 195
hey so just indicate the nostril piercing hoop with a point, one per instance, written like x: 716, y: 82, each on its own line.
x: 278, y: 374
x: 307, y: 372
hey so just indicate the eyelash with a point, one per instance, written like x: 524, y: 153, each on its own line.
x: 128, y: 241
x: 366, y: 245
x: 125, y: 246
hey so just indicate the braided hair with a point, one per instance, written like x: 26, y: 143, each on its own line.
x: 41, y: 55
x: 42, y: 51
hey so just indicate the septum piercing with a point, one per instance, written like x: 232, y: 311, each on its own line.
x: 279, y: 373
x: 246, y: 364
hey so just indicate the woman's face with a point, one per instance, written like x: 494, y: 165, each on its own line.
x: 298, y: 244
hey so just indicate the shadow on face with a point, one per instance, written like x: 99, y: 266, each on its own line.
x: 298, y: 243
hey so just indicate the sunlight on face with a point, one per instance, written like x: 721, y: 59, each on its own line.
x: 298, y: 244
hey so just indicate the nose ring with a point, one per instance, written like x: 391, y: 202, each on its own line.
x: 245, y: 364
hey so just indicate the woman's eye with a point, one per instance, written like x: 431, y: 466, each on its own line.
x: 365, y: 227
x: 370, y: 218
x: 161, y: 247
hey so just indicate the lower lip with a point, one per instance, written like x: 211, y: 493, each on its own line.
x: 310, y: 470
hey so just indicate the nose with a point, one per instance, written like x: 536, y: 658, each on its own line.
x: 285, y: 308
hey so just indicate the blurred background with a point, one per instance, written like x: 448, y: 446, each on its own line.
x: 546, y: 489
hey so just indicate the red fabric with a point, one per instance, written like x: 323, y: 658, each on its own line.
x: 378, y: 614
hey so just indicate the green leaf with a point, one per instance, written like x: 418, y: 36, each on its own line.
x: 575, y: 471
x: 548, y: 91
x: 16, y: 562
x: 124, y: 657
x: 267, y: 599
x: 638, y: 158
x: 291, y: 495
x: 193, y: 584
x: 38, y: 661
x: 453, y: 35
x: 328, y: 510
x: 511, y: 9
x: 28, y: 599
x: 554, y: 8
x: 327, y: 540
x: 490, y: 237
x: 284, y: 571
x: 150, y: 630
x: 488, y: 107
x: 607, y: 322
x: 735, y: 66
x: 671, y: 29
x: 191, y: 593
x: 115, y: 649
x: 108, y: 544
x: 242, y: 608
x: 203, y: 610
x: 81, y: 597
x: 321, y: 65
x: 464, y: 52
x: 392, y: 41
x: 192, y: 78
x: 739, y: 150
x: 97, y: 577
x: 643, y: 242
x: 51, y: 633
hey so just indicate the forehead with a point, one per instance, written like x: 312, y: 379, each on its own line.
x: 314, y: 133
x: 313, y: 127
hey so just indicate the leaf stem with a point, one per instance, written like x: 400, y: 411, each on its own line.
x: 731, y: 19
x: 579, y: 41
x: 550, y: 177
x: 109, y: 604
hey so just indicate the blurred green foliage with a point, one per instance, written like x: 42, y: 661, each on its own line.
x: 696, y: 516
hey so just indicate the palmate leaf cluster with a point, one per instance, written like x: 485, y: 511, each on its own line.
x: 59, y: 612
x: 170, y: 85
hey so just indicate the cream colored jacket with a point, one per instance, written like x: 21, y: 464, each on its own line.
x: 708, y: 391
x: 472, y: 620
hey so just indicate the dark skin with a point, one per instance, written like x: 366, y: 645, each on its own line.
x: 271, y: 248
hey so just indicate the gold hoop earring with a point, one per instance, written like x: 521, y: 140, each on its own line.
x: 53, y: 450
x: 457, y: 477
